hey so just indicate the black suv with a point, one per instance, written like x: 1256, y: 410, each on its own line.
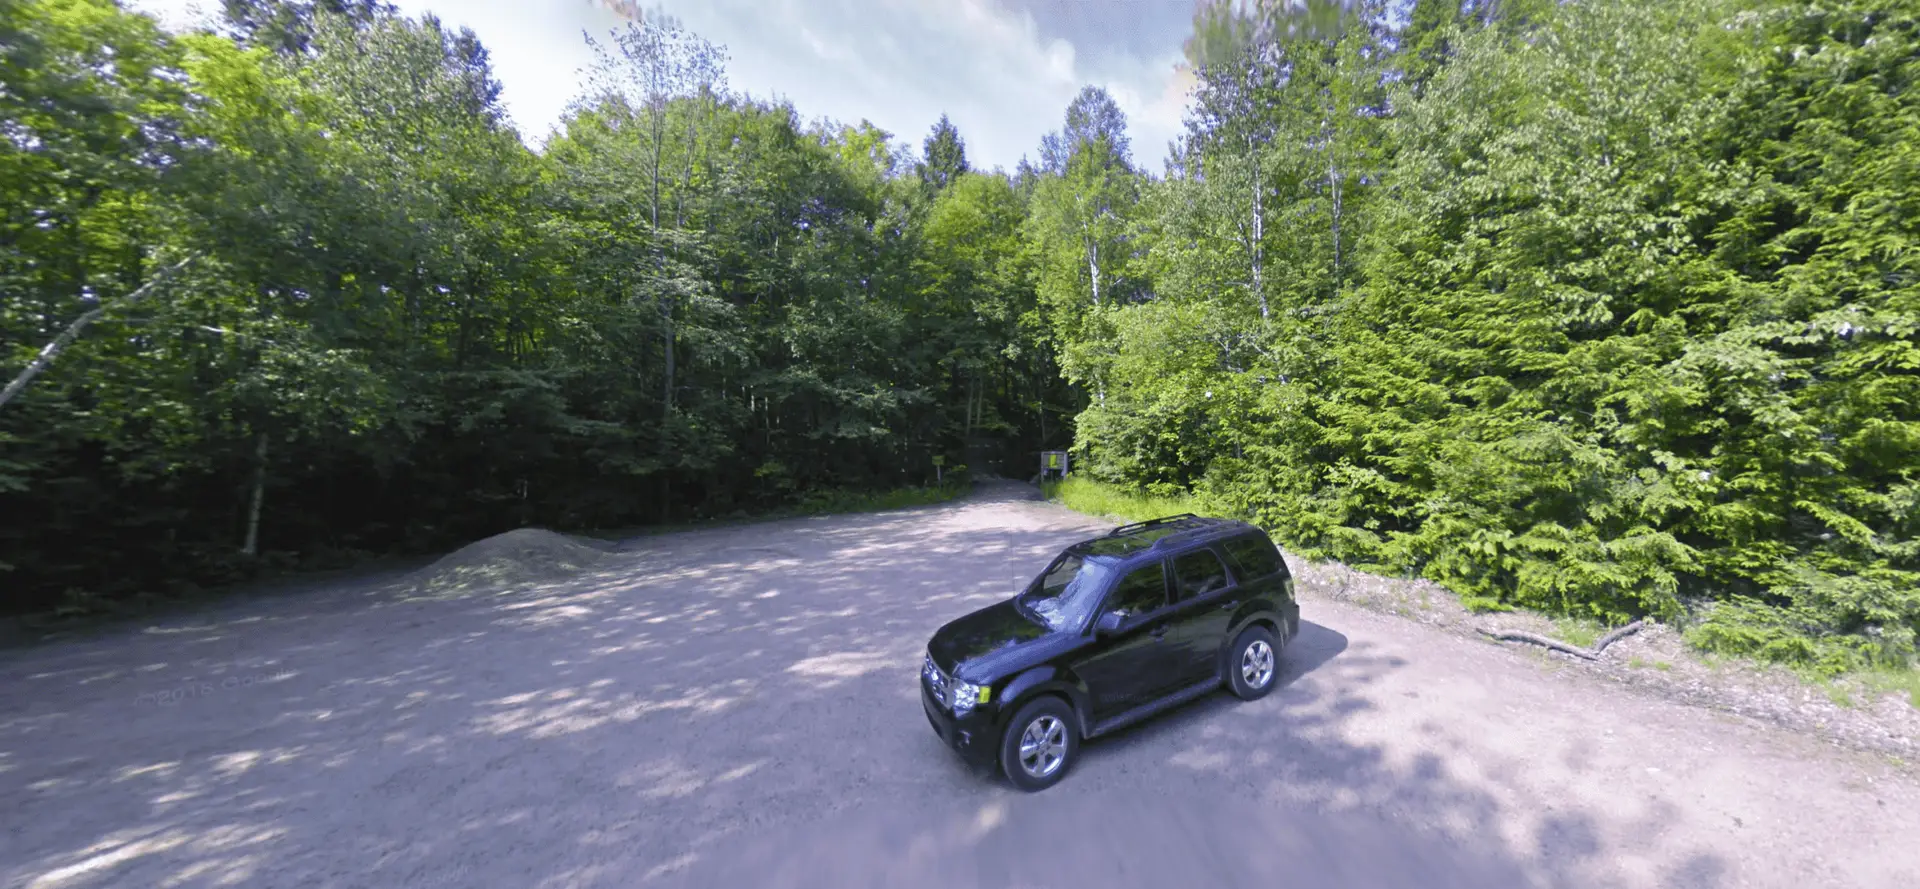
x: 1117, y: 629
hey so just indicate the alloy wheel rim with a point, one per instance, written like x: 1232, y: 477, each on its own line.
x: 1043, y: 746
x: 1256, y: 664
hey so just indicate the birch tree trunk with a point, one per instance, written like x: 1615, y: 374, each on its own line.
x: 1333, y: 179
x: 1259, y: 234
x: 251, y: 547
x: 1093, y: 266
x: 43, y: 360
x: 657, y: 125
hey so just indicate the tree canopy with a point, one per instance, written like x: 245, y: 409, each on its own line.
x: 1603, y: 308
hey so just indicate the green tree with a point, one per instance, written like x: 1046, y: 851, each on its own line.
x: 946, y: 157
x: 287, y: 26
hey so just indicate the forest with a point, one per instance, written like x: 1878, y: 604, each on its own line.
x: 1598, y: 307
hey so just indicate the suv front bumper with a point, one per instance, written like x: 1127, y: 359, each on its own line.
x: 973, y: 736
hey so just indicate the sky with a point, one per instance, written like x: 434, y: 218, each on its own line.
x: 1002, y: 70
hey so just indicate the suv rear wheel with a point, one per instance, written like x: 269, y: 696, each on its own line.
x: 1253, y: 665
x: 1040, y: 744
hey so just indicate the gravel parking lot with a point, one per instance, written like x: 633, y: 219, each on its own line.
x: 737, y: 706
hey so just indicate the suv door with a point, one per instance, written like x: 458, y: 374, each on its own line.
x: 1205, y: 597
x: 1258, y: 568
x: 1133, y: 665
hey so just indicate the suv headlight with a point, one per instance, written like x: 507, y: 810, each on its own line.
x: 966, y: 695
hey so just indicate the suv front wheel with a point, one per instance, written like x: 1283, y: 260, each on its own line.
x: 1040, y: 744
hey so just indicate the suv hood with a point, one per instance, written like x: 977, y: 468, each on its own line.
x: 979, y: 635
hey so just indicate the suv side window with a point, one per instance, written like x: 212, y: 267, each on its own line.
x: 1142, y: 590
x: 1254, y: 556
x: 1199, y: 573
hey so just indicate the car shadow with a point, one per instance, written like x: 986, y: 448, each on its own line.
x: 1309, y: 650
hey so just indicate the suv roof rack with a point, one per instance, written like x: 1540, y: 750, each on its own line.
x: 1153, y: 523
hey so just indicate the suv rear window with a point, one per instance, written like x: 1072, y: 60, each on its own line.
x: 1199, y: 573
x: 1254, y: 556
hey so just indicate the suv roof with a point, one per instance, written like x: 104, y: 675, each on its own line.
x: 1158, y: 534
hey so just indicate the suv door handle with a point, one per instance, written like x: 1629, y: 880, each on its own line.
x: 1229, y: 606
x: 1159, y: 632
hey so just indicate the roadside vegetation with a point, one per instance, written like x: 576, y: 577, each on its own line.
x: 1845, y: 688
x: 1602, y: 310
x: 374, y: 321
x: 1083, y: 495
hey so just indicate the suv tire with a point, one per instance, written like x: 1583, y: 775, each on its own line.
x: 1040, y: 744
x: 1253, y: 664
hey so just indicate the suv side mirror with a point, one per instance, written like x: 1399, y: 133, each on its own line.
x: 1108, y: 624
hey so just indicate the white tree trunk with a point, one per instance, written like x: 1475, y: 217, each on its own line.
x: 1093, y: 267
x: 1259, y: 236
x: 41, y: 361
x: 1333, y: 176
x: 251, y: 547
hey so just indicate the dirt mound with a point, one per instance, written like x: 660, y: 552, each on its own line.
x: 508, y: 562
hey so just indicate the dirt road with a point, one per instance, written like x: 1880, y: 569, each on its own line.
x: 737, y: 707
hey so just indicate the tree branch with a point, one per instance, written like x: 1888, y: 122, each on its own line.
x: 66, y: 337
x: 1617, y: 635
x: 1590, y: 654
x: 1554, y: 644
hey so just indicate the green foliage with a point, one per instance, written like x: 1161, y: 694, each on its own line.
x: 408, y: 330
x: 1084, y: 495
x: 833, y: 502
x: 1905, y: 682
x: 946, y: 157
x: 1608, y: 309
x: 1605, y: 309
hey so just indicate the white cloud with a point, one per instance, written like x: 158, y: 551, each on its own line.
x: 899, y: 63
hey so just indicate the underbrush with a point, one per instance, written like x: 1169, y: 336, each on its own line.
x: 829, y: 502
x: 1089, y: 497
x: 1873, y: 662
x: 1795, y: 636
x: 1889, y: 681
x: 81, y: 607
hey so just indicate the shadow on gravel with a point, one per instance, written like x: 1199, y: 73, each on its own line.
x: 724, y: 707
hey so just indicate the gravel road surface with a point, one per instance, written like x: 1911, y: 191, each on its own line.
x: 737, y: 707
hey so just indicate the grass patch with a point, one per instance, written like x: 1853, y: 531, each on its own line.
x: 1578, y: 630
x: 1089, y: 497
x: 831, y: 502
x: 1889, y: 681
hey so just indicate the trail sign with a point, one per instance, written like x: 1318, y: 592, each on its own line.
x: 1054, y: 463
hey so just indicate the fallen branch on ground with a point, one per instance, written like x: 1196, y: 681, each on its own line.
x: 1590, y: 654
x: 1617, y: 635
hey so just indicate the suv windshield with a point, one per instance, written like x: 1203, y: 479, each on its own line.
x: 1067, y: 593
